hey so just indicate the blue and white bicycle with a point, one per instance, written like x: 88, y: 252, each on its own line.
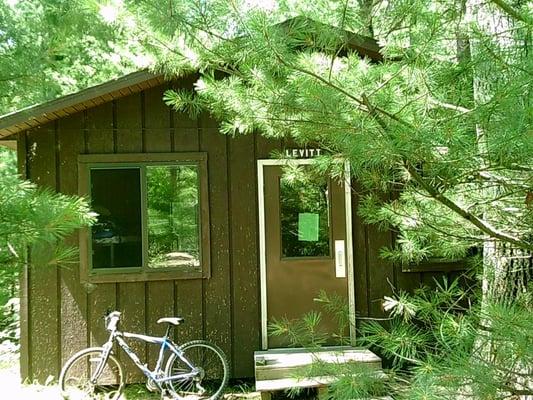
x: 195, y: 370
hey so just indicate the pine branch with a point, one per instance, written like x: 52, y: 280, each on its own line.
x: 448, y: 106
x: 482, y: 225
x: 360, y: 102
x: 334, y: 56
x: 512, y: 12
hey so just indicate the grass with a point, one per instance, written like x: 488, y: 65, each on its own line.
x: 13, y: 389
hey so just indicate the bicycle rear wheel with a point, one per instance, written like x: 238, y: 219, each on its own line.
x: 75, y: 378
x: 212, y: 372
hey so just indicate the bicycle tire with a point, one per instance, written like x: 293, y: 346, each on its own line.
x: 214, y: 376
x: 74, y: 380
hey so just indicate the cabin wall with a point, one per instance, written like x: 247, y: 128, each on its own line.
x: 60, y: 315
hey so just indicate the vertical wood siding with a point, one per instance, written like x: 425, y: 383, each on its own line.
x: 73, y: 298
x: 43, y: 285
x: 60, y: 316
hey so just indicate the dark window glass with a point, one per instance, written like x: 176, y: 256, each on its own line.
x: 173, y: 217
x: 117, y: 236
x: 304, y: 208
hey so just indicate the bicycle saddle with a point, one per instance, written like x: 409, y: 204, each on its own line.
x: 170, y: 320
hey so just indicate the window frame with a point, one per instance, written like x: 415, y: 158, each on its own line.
x: 330, y: 229
x: 143, y: 273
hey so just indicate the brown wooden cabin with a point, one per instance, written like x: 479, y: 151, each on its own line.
x: 100, y: 140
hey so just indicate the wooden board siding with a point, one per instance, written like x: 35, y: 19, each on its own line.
x: 216, y: 290
x: 380, y: 272
x: 44, y: 349
x: 73, y: 328
x: 60, y: 315
x: 244, y: 252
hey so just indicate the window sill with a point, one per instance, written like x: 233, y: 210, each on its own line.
x: 114, y: 277
x: 435, y: 265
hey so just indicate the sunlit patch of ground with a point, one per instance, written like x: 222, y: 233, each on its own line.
x: 11, y: 388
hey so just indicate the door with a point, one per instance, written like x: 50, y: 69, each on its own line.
x: 304, y: 246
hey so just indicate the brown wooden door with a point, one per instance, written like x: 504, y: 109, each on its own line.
x: 305, y: 231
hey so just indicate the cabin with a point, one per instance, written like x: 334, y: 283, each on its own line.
x: 192, y: 223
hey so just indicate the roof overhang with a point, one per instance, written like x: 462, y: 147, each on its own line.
x: 61, y: 107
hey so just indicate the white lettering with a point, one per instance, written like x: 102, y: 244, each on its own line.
x: 302, y: 153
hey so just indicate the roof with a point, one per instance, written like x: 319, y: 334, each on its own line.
x: 61, y: 107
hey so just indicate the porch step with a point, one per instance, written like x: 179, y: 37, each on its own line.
x: 283, y: 369
x: 289, y: 363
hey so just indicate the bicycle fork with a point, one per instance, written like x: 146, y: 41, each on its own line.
x: 105, y: 355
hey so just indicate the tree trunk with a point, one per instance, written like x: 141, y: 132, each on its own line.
x: 507, y: 270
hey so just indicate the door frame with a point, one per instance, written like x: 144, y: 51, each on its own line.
x: 261, y: 164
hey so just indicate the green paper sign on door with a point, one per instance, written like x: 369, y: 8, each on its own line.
x: 308, y: 227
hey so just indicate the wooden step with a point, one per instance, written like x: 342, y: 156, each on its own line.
x: 289, y: 363
x: 273, y: 385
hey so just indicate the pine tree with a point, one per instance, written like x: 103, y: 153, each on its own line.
x: 407, y: 124
x: 49, y: 48
x: 35, y: 217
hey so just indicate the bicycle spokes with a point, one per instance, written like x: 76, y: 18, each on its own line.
x: 205, y: 380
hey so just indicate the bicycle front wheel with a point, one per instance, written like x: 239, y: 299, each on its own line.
x: 211, y: 372
x: 78, y: 381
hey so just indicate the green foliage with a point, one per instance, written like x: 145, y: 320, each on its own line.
x: 407, y: 124
x: 306, y: 331
x: 432, y: 321
x: 435, y: 343
x: 59, y: 47
x: 303, y: 332
x: 37, y: 217
x: 439, y: 341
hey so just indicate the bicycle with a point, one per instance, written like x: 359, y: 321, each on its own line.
x: 194, y: 370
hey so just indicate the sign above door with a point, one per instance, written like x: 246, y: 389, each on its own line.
x: 303, y: 153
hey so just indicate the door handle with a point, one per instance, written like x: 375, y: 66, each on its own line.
x: 340, y: 267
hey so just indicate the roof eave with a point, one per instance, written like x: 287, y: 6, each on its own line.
x: 49, y: 111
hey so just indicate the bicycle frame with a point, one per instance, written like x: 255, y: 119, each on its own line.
x: 154, y: 375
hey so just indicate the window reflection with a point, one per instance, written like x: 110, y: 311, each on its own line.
x: 304, y: 209
x: 116, y: 237
x: 173, y: 217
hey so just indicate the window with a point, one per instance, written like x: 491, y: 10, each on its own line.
x: 304, y: 215
x: 153, y: 220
